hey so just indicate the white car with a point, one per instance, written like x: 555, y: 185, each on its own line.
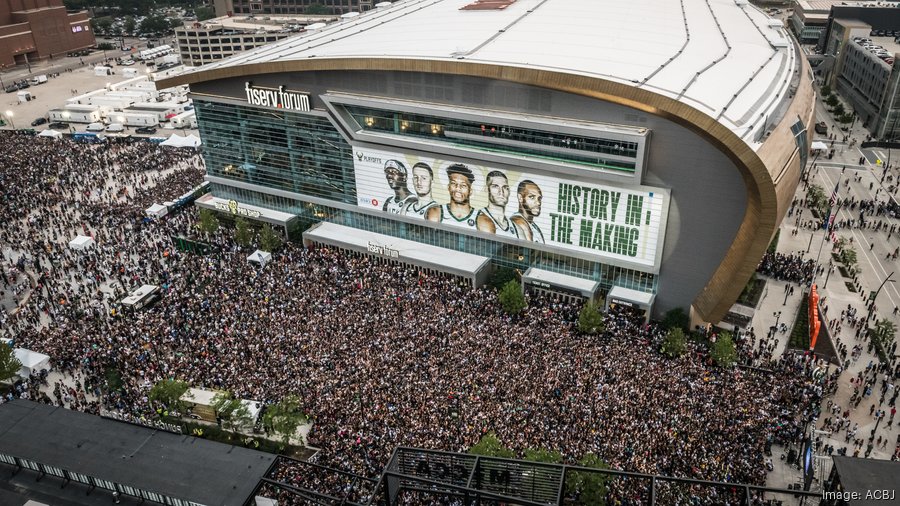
x: 96, y: 127
x: 115, y: 127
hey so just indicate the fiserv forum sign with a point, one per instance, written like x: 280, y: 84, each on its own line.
x: 609, y: 222
x: 278, y: 98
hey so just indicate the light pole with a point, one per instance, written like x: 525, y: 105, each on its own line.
x: 875, y: 296
x: 777, y: 315
x: 9, y: 115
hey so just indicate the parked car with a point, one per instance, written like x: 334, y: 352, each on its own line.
x: 58, y: 125
x: 96, y: 127
x: 12, y: 88
x: 146, y: 130
x: 39, y: 121
x: 821, y: 128
x: 115, y: 127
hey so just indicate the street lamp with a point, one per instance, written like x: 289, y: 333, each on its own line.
x: 777, y: 315
x: 875, y: 295
x: 9, y: 115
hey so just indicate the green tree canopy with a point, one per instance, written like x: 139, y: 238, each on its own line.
x: 243, y: 232
x: 501, y: 276
x: 723, y: 351
x: 676, y: 318
x: 511, y: 297
x: 589, y: 488
x: 674, y: 345
x: 285, y: 417
x: 269, y: 239
x: 490, y: 446
x: 831, y: 100
x: 231, y: 411
x: 129, y: 24
x: 168, y: 394
x: 208, y: 223
x: 590, y: 319
x: 816, y: 199
x: 9, y: 364
x: 154, y: 24
x: 204, y: 13
x: 101, y: 25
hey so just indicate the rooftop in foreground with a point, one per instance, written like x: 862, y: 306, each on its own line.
x: 725, y: 58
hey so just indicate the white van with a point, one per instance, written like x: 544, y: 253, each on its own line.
x: 115, y: 127
x: 96, y: 127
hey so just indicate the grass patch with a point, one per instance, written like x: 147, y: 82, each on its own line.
x: 774, y: 244
x: 800, y: 332
x: 850, y: 286
x: 836, y: 257
x: 752, y: 292
x: 844, y: 272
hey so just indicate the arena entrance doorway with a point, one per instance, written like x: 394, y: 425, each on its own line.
x: 639, y: 302
x: 562, y: 287
x: 472, y: 269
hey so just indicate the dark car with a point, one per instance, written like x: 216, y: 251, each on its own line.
x: 145, y: 130
x: 12, y: 88
x: 39, y: 121
x: 58, y: 125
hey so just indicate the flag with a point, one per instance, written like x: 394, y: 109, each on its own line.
x: 833, y: 200
x: 831, y: 203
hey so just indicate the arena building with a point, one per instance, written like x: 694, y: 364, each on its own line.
x: 644, y: 152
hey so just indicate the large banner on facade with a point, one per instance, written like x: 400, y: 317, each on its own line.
x: 608, y: 221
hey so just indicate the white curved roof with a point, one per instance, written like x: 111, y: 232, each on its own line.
x: 722, y: 57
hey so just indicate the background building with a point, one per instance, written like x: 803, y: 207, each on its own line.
x: 208, y: 41
x: 862, y: 43
x: 664, y: 162
x: 276, y: 7
x: 34, y: 29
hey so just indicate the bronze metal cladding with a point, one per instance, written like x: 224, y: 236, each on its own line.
x: 761, y: 218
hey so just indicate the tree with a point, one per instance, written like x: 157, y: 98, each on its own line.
x: 542, y: 455
x: 154, y: 24
x: 511, y: 297
x: 845, y: 118
x: 722, y: 351
x: 674, y: 344
x: 106, y: 46
x: 269, y: 240
x: 208, y: 223
x: 168, y: 394
x: 204, y: 13
x: 816, y: 200
x: 9, y: 364
x: 490, y: 446
x: 676, y: 318
x: 590, y: 319
x: 848, y: 258
x: 588, y: 487
x: 232, y: 412
x: 285, y: 417
x: 501, y: 276
x: 129, y: 25
x: 838, y: 110
x: 826, y: 90
x: 831, y: 100
x: 243, y: 233
x: 883, y: 337
x: 101, y: 25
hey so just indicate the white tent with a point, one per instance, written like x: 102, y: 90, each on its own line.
x: 50, y: 133
x: 82, y: 242
x: 32, y: 362
x: 156, y: 211
x: 177, y: 141
x: 819, y: 146
x: 195, y: 141
x: 260, y: 257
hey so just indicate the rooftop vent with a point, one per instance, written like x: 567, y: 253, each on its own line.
x: 488, y: 5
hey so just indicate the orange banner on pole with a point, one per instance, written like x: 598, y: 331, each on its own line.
x: 814, y: 323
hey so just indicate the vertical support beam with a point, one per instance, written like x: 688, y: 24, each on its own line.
x: 652, y: 490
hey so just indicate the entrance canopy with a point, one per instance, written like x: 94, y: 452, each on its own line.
x: 631, y: 298
x: 465, y: 265
x: 236, y: 208
x: 560, y: 283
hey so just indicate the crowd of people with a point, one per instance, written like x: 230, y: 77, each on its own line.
x: 379, y: 354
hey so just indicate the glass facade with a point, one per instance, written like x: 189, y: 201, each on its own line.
x: 498, y: 138
x: 306, y: 155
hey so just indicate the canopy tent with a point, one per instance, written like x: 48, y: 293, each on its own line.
x: 156, y: 211
x: 819, y: 146
x: 177, y: 141
x: 50, y: 133
x: 32, y: 362
x: 260, y: 257
x: 82, y: 242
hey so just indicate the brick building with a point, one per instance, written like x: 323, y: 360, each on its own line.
x: 35, y: 29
